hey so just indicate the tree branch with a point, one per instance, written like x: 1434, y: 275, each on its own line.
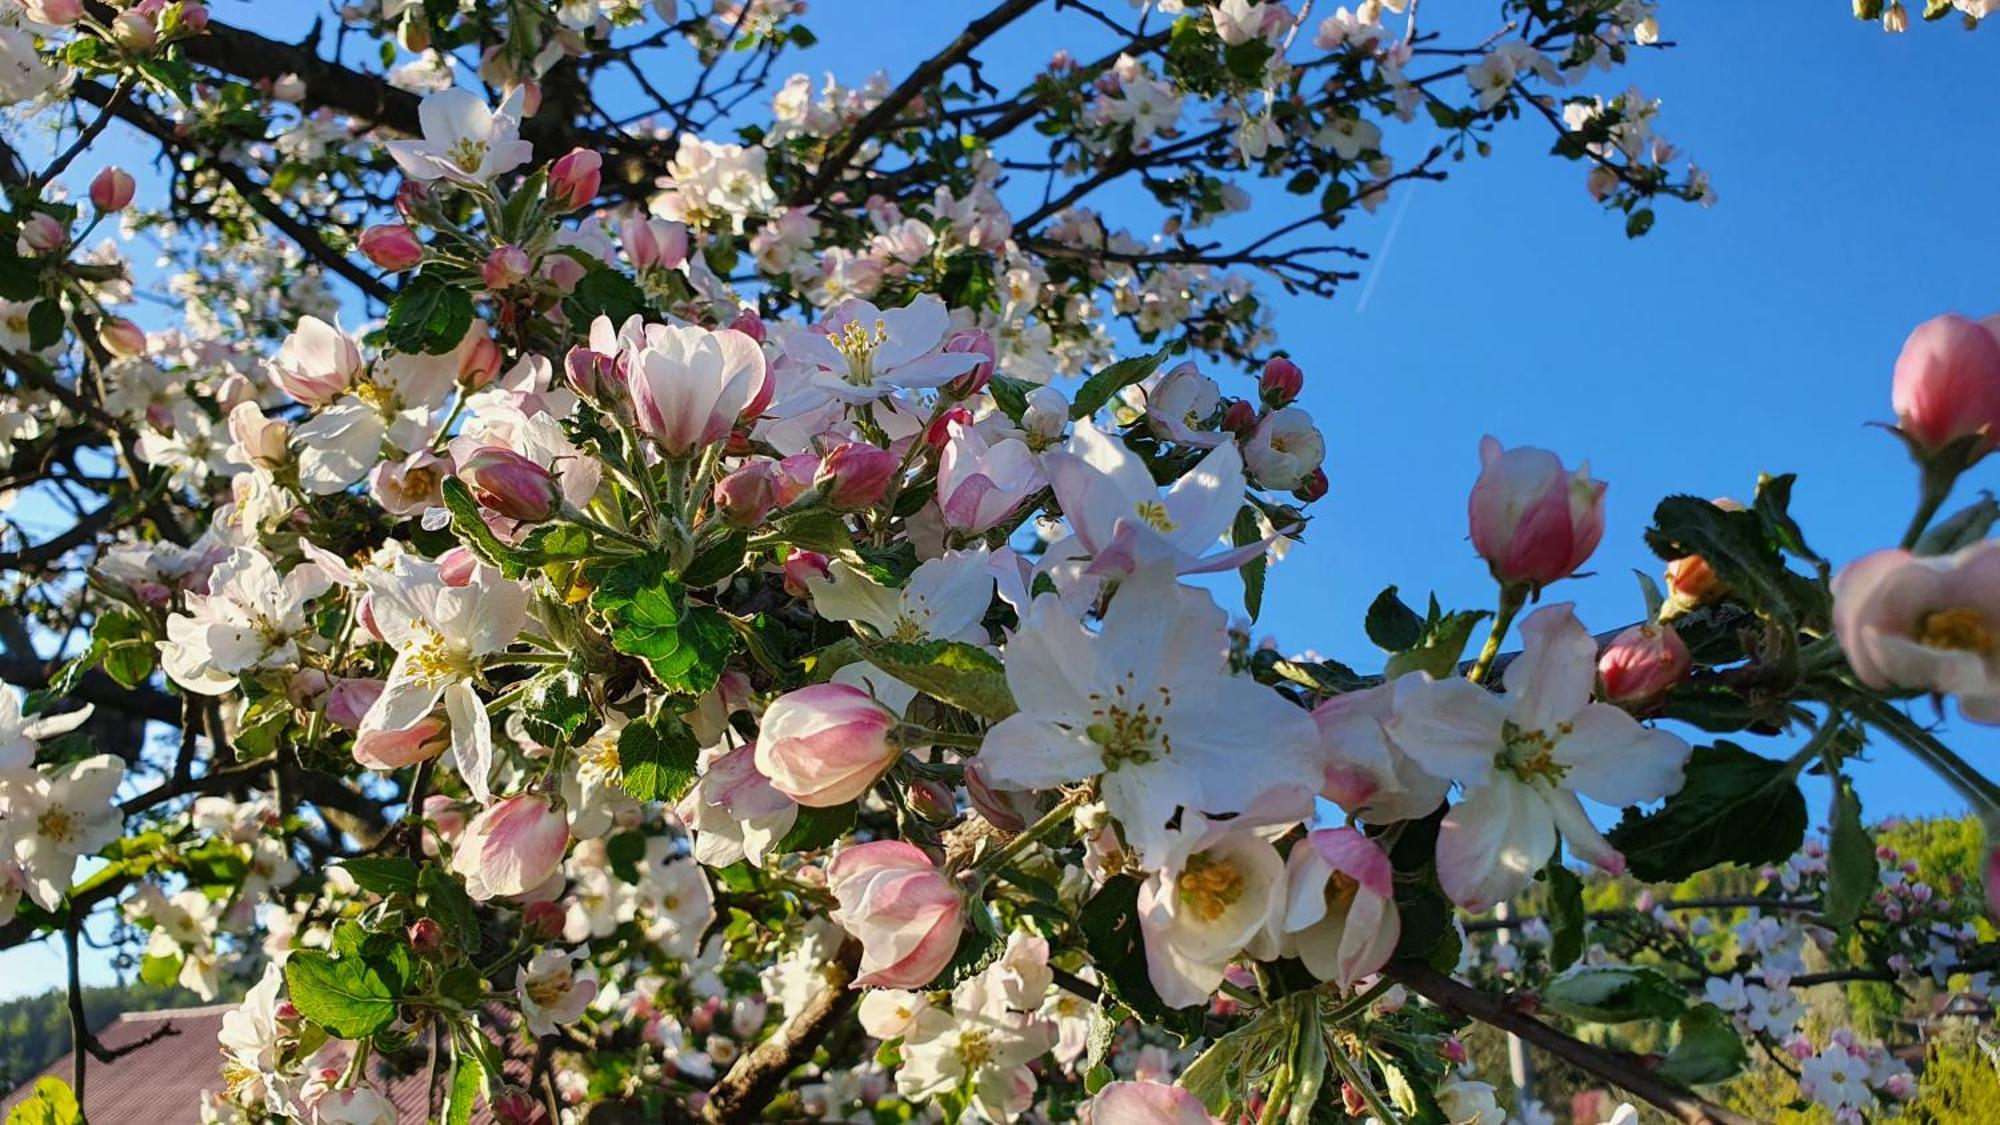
x: 743, y: 1092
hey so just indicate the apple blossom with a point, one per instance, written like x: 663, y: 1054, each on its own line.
x: 251, y: 620
x: 1180, y: 405
x: 505, y: 267
x: 511, y: 847
x: 1280, y: 382
x: 860, y: 353
x: 979, y: 485
x: 1147, y: 1103
x: 1283, y: 450
x: 905, y: 913
x: 316, y: 362
x: 1641, y: 663
x: 1125, y: 523
x: 1912, y: 621
x: 688, y: 385
x: 553, y: 991
x: 1366, y: 773
x: 21, y: 737
x: 826, y: 744
x: 1532, y: 520
x: 511, y: 485
x: 1947, y: 385
x: 57, y: 815
x: 464, y: 141
x: 1524, y: 756
x: 1339, y: 912
x: 733, y: 811
x: 855, y: 475
x: 654, y: 244
x: 392, y: 246
x: 1201, y: 910
x: 574, y: 179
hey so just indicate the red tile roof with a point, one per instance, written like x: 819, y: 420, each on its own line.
x: 162, y: 1082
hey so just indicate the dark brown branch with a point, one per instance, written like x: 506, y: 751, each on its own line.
x: 750, y: 1084
x: 1624, y: 1071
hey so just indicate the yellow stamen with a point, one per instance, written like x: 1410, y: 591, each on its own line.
x: 1961, y: 630
x: 1153, y: 513
x: 1209, y: 886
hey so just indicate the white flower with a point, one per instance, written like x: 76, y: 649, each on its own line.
x: 23, y: 73
x: 21, y: 737
x: 733, y: 811
x: 1149, y: 705
x: 1284, y: 449
x: 248, y: 621
x: 1199, y: 912
x: 983, y: 1042
x: 440, y: 633
x: 944, y: 599
x: 393, y: 406
x: 866, y: 353
x: 56, y: 816
x: 1523, y: 757
x: 1469, y: 1103
x: 250, y: 1038
x: 464, y: 141
x: 1123, y: 520
x: 553, y: 991
x: 675, y: 902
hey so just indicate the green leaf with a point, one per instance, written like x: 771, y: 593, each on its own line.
x: 1392, y: 625
x: 1738, y: 547
x: 1614, y: 994
x: 127, y: 652
x: 382, y: 875
x: 1735, y: 807
x: 557, y: 712
x: 716, y: 558
x: 468, y: 1079
x: 428, y: 316
x: 52, y: 1103
x: 473, y: 532
x: 45, y: 324
x: 554, y: 542
x: 815, y: 529
x: 1441, y: 646
x: 1110, y: 925
x: 446, y: 901
x: 1850, y: 859
x: 1098, y: 389
x: 348, y: 997
x: 962, y: 675
x: 605, y: 292
x: 1706, y: 1048
x: 1774, y: 499
x: 1962, y: 528
x: 647, y: 610
x: 1566, y: 915
x: 656, y: 758
x: 1010, y: 395
x: 816, y: 828
x: 625, y: 851
x: 160, y: 971
x: 1243, y: 533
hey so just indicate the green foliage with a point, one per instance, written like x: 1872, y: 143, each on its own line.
x: 428, y: 316
x: 650, y: 618
x: 1099, y: 388
x: 1734, y: 807
x: 656, y: 758
x: 1110, y: 925
x: 52, y: 1103
x: 350, y: 996
x: 965, y: 676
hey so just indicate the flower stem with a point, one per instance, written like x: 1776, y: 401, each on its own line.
x: 1937, y: 485
x: 1512, y: 598
x: 1976, y: 788
x: 1030, y: 835
x: 1351, y: 1074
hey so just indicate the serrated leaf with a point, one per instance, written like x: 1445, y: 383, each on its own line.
x: 1962, y: 528
x: 1772, y: 505
x: 605, y: 292
x: 1244, y: 532
x: 468, y: 1079
x: 1614, y: 994
x: 445, y: 899
x: 1706, y: 1048
x: 428, y: 317
x: 128, y: 654
x: 556, y: 711
x: 382, y: 875
x: 1566, y: 916
x: 1391, y: 625
x: 348, y: 997
x: 472, y: 531
x: 1103, y: 384
x: 816, y: 828
x: 1852, y: 877
x: 1738, y: 547
x: 649, y: 617
x: 657, y: 758
x: 52, y: 1103
x: 954, y: 672
x: 1734, y: 807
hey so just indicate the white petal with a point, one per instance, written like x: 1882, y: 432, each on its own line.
x: 1492, y: 843
x: 1614, y: 759
x: 471, y: 737
x: 1551, y: 680
x: 1450, y: 728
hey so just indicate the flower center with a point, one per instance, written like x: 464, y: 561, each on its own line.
x: 1153, y: 513
x: 1961, y: 630
x: 1128, y: 732
x: 547, y: 991
x: 57, y: 825
x: 468, y: 153
x: 433, y: 658
x: 1209, y: 886
x: 1340, y: 891
x: 857, y: 344
x: 600, y: 756
x: 1530, y: 754
x: 379, y: 398
x: 975, y: 1048
x: 907, y: 631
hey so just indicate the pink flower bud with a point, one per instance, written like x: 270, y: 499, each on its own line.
x: 505, y: 267
x: 1240, y: 418
x: 1641, y: 663
x: 826, y: 744
x: 1313, y: 487
x: 194, y: 17
x: 122, y: 338
x: 515, y: 1106
x: 41, y: 232
x: 1692, y: 582
x: 392, y: 246
x: 413, y: 196
x: 933, y: 800
x: 750, y: 324
x: 855, y: 475
x: 971, y: 341
x: 350, y: 699
x: 905, y: 912
x: 746, y: 495
x: 111, y: 189
x: 574, y: 180
x: 589, y: 373
x: 512, y: 847
x: 426, y: 937
x: 803, y: 565
x: 505, y: 482
x: 654, y: 243
x: 939, y: 433
x: 1533, y: 521
x: 1947, y: 384
x: 481, y: 364
x: 544, y: 920
x: 133, y: 30
x: 457, y: 567
x: 1281, y: 382
x: 394, y: 749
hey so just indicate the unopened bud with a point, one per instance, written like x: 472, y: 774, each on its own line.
x: 426, y: 937
x: 41, y: 232
x: 1313, y: 487
x: 511, y: 485
x: 939, y: 433
x: 133, y: 30
x: 746, y: 495
x: 1240, y: 418
x: 544, y: 920
x: 1642, y: 663
x: 1280, y: 383
x: 481, y: 364
x: 855, y: 475
x: 933, y: 800
x: 111, y: 189
x: 505, y: 267
x: 574, y: 180
x: 392, y: 246
x: 122, y: 338
x: 802, y: 565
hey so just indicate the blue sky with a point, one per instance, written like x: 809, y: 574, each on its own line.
x: 1851, y: 168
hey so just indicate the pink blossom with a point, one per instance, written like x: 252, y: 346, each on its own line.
x: 511, y: 485
x: 855, y: 475
x: 826, y: 744
x: 689, y: 385
x: 980, y: 485
x: 1339, y: 914
x: 505, y: 267
x: 1147, y: 1103
x: 1641, y: 663
x: 392, y: 246
x: 512, y: 847
x: 903, y: 910
x: 747, y: 494
x: 574, y: 179
x: 654, y: 244
x: 316, y: 362
x: 1280, y: 382
x: 1947, y: 384
x: 111, y: 189
x: 1533, y: 521
x: 1925, y: 622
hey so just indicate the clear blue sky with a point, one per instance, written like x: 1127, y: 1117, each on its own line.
x: 1852, y: 168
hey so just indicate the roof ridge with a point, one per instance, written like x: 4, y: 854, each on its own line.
x: 169, y: 1013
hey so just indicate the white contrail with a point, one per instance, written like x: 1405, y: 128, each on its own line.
x: 1388, y: 241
